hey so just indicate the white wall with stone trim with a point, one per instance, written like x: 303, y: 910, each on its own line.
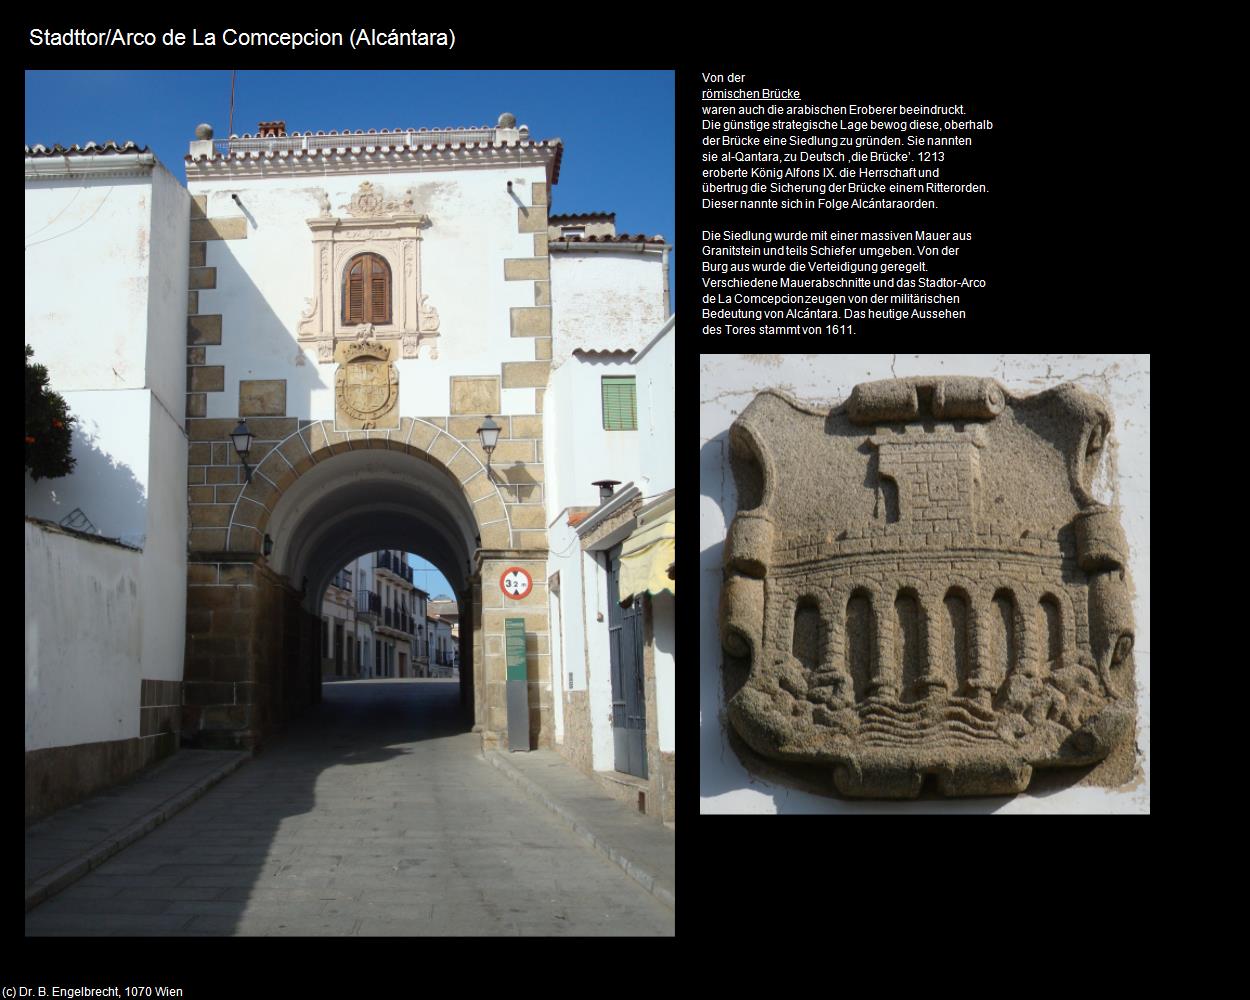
x: 263, y: 282
x: 729, y: 382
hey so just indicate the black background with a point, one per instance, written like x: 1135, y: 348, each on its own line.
x: 1064, y: 234
x: 1069, y: 238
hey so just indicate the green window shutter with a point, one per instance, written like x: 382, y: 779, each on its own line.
x: 620, y: 409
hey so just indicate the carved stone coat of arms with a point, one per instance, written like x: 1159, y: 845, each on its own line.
x: 366, y: 388
x: 919, y: 586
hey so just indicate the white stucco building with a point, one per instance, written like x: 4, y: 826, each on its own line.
x: 373, y: 620
x: 604, y: 422
x: 106, y: 297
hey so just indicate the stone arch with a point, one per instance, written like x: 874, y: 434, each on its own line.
x: 325, y: 497
x: 300, y: 451
x: 1050, y: 639
x: 979, y: 607
x: 809, y: 628
x: 959, y: 636
x: 859, y: 646
x: 1007, y: 628
x: 1067, y: 619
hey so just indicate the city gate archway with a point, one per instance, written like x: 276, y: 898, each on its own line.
x: 364, y: 387
x: 317, y: 498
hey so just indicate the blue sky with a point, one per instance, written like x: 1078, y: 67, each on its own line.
x: 617, y: 126
x: 429, y: 579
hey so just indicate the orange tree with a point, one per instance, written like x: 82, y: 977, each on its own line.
x: 49, y: 427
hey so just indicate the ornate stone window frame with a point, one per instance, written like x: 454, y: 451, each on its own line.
x: 368, y: 261
x: 393, y: 232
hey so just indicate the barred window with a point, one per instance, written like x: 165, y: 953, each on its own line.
x: 620, y: 408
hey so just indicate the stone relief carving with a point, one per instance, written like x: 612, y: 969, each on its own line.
x: 368, y: 203
x: 429, y: 316
x: 919, y: 583
x: 366, y: 387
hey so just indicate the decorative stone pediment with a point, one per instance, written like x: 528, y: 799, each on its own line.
x: 919, y: 584
x: 367, y: 203
x: 392, y: 230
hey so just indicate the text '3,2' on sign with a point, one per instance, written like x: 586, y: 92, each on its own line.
x: 516, y: 583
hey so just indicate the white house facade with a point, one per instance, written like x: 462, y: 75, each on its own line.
x: 612, y: 468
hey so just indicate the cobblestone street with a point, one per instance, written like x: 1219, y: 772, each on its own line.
x: 375, y: 814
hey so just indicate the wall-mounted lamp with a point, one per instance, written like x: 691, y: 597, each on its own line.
x: 242, y: 438
x: 509, y: 185
x: 489, y: 435
x: 268, y: 545
x: 236, y: 199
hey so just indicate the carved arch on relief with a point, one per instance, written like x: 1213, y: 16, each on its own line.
x: 388, y: 251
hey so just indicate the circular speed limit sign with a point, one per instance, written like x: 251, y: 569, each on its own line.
x: 516, y: 583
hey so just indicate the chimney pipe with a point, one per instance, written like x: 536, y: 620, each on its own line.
x: 605, y: 489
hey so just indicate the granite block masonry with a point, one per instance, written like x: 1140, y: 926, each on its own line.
x: 920, y: 587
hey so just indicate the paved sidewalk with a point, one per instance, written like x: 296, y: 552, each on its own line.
x: 66, y: 845
x: 641, y: 846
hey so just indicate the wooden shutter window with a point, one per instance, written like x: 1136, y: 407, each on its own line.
x: 355, y: 297
x: 367, y: 291
x: 379, y: 297
x: 620, y: 412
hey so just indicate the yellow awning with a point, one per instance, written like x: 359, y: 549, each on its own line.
x: 646, y: 556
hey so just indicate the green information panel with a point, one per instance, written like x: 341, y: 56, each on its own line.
x: 514, y: 647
